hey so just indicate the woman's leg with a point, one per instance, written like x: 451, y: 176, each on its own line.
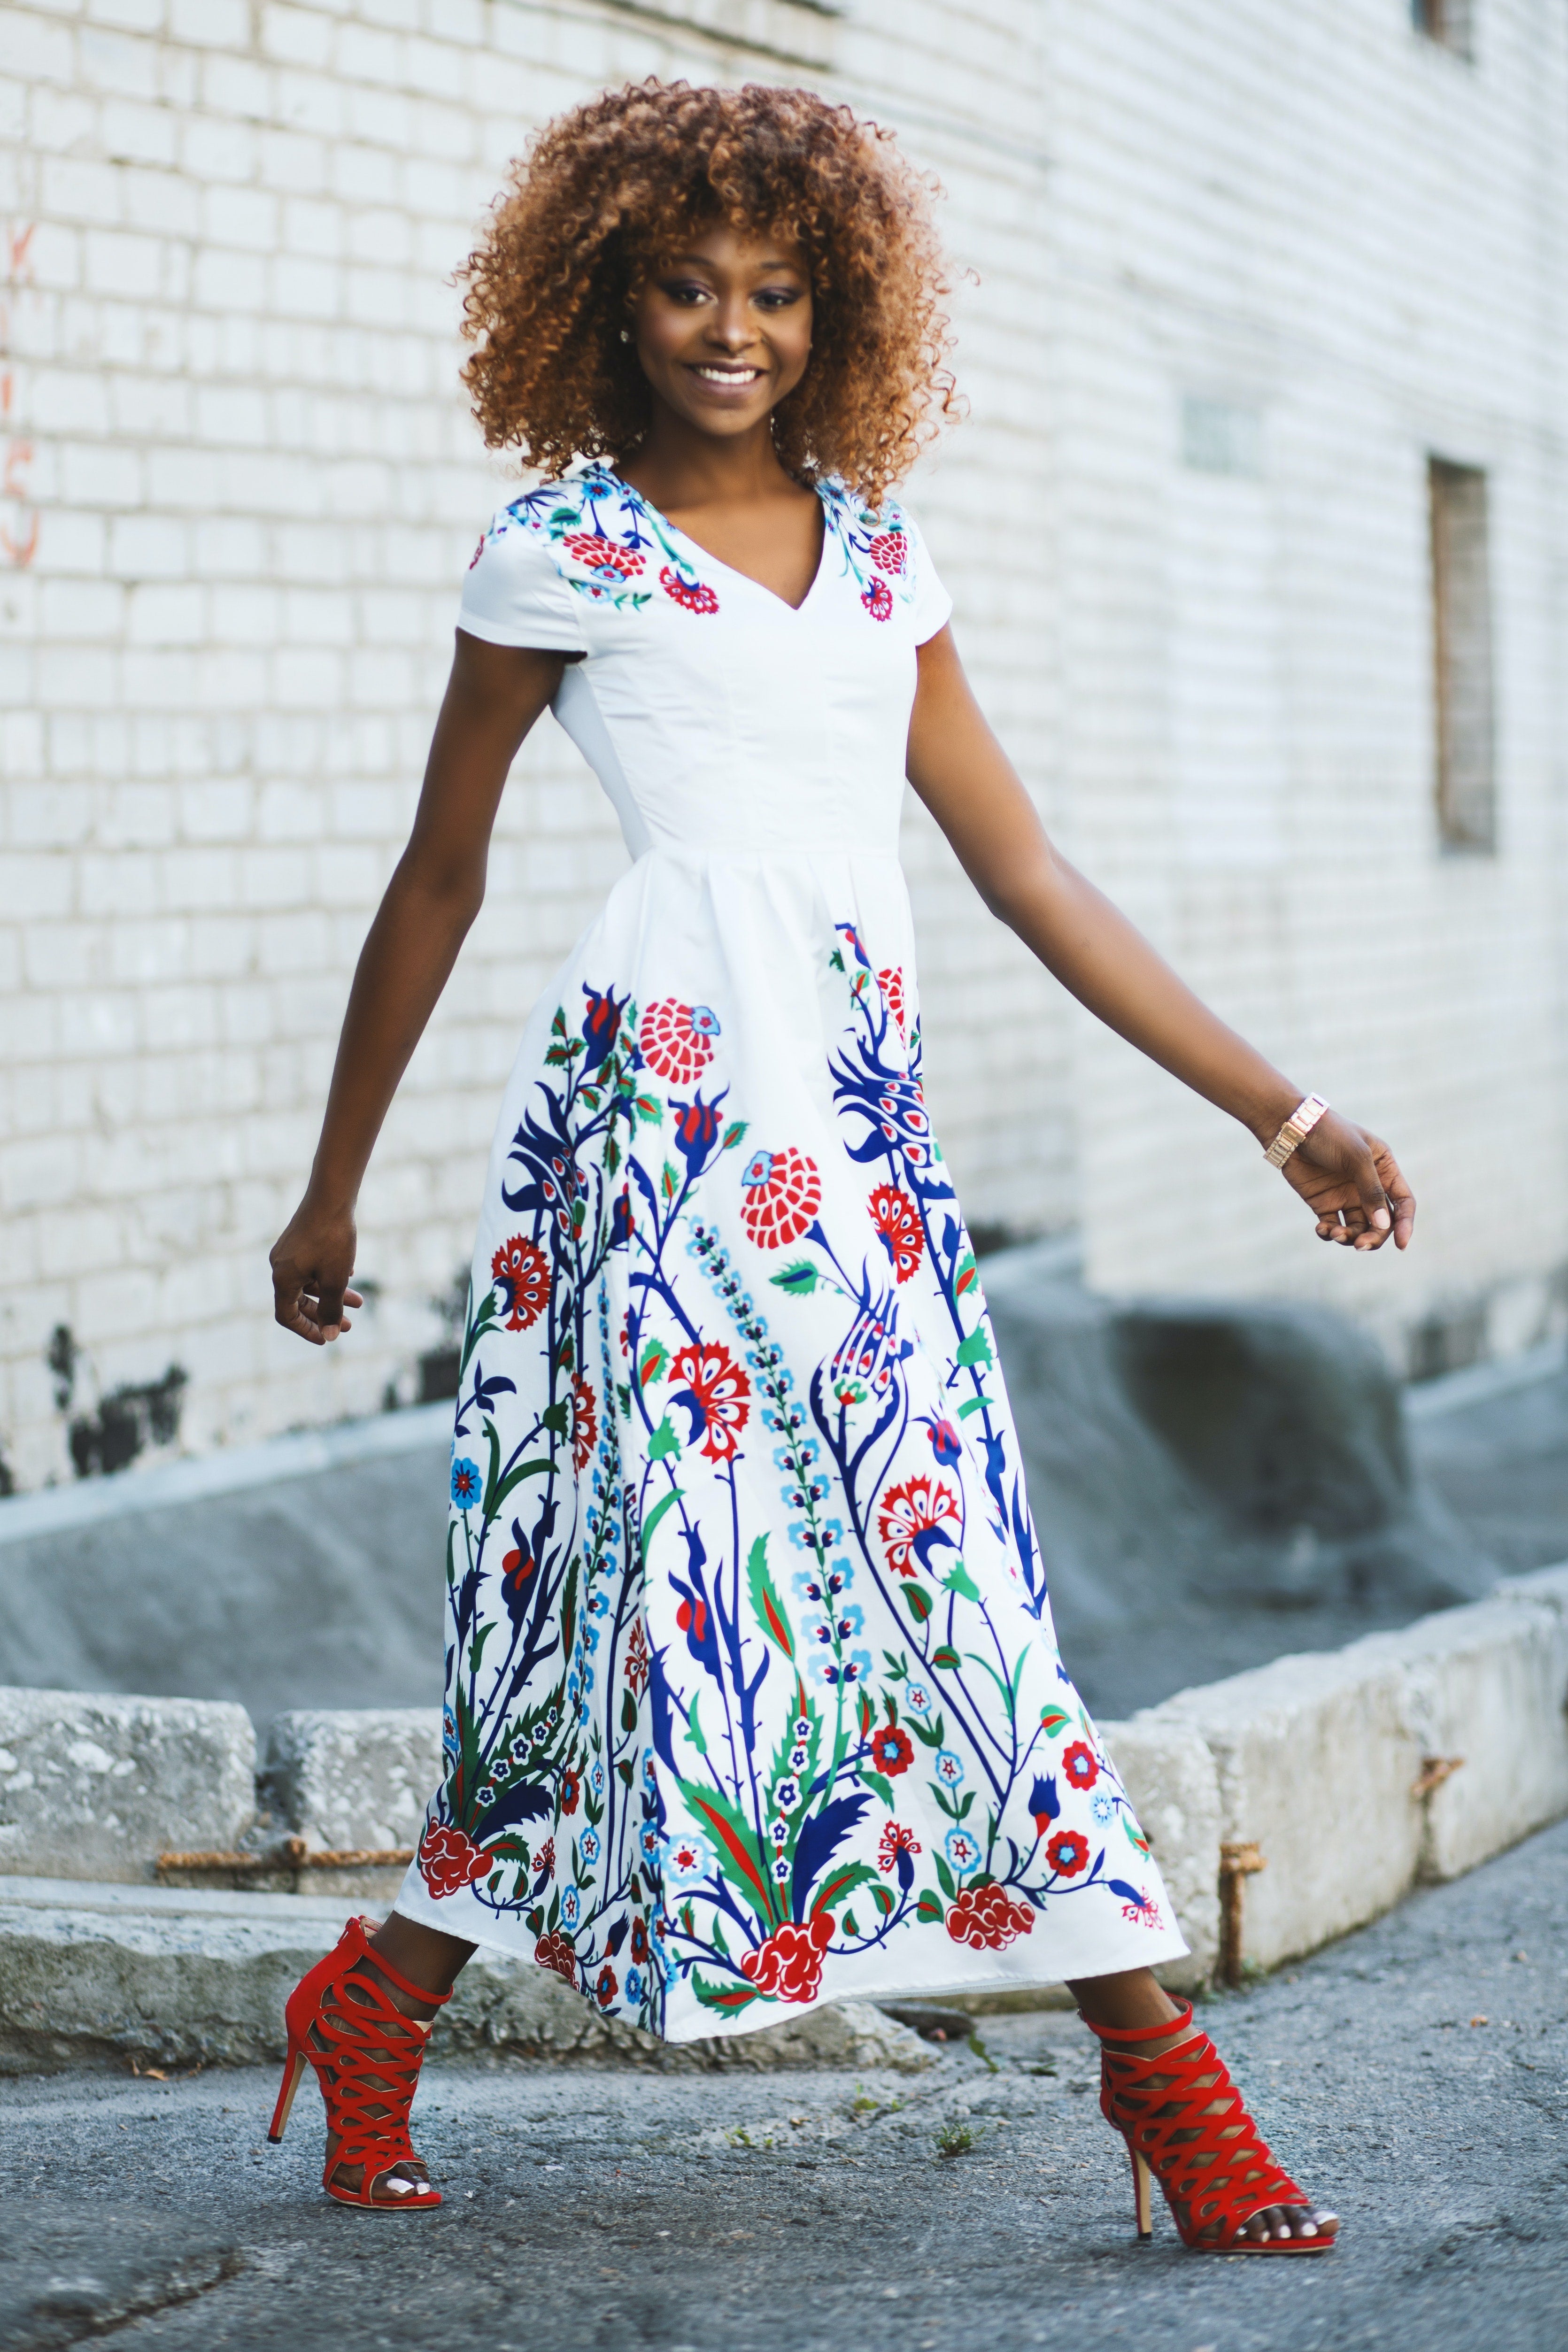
x: 1135, y: 1999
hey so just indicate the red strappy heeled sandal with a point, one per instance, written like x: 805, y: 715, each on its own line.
x: 1183, y: 2119
x: 367, y: 2057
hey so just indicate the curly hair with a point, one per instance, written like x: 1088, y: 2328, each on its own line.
x: 606, y: 192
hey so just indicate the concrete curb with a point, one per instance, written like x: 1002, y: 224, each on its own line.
x: 1340, y: 1767
x: 167, y: 1977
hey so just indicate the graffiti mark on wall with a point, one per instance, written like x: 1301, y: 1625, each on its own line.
x: 18, y: 515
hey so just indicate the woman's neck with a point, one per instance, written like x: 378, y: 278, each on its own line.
x: 683, y: 470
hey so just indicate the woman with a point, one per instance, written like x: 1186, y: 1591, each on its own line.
x: 752, y: 1699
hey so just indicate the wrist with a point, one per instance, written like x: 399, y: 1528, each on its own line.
x: 1266, y: 1114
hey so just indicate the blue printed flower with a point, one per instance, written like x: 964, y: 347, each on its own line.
x: 948, y: 1767
x: 782, y: 1868
x: 799, y: 1758
x: 963, y: 1850
x: 571, y: 1908
x: 918, y: 1699
x: 778, y: 1831
x: 632, y: 1987
x: 1103, y: 1807
x: 466, y: 1484
x: 588, y: 1847
x: 688, y: 1858
x: 596, y: 1778
x: 852, y: 1622
x: 652, y: 1841
x: 801, y: 1727
x: 787, y: 1796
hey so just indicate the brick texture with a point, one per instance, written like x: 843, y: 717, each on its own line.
x: 1227, y: 296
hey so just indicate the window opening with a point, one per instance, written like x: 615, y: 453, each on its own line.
x: 1462, y: 641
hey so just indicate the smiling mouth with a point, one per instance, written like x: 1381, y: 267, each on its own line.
x: 728, y: 376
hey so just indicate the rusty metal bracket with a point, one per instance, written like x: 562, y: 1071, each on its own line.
x: 291, y: 1853
x: 1435, y: 1770
x: 1239, y: 1859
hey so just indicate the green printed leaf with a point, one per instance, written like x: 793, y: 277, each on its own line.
x: 930, y: 1905
x: 958, y: 1580
x: 557, y: 1417
x: 945, y: 1659
x: 883, y: 1897
x: 840, y: 1883
x: 880, y: 1789
x: 917, y: 1600
x: 1134, y: 1837
x: 669, y: 1181
x: 733, y: 1135
x: 944, y: 1878
x: 766, y: 1605
x: 976, y: 1348
x: 655, y: 1355
x: 664, y: 1502
x: 515, y: 1478
x: 799, y: 1279
x: 477, y: 1646
x: 628, y: 1711
x: 975, y: 1405
x: 726, y: 1997
x: 663, y: 1442
x: 849, y: 1926
x: 929, y: 1735
x: 1053, y: 1721
x: 625, y: 1768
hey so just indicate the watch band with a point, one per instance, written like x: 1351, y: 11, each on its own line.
x: 1296, y: 1129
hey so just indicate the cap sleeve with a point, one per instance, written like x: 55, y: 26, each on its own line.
x: 514, y: 596
x: 930, y: 607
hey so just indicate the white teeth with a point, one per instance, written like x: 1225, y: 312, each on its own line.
x: 730, y: 375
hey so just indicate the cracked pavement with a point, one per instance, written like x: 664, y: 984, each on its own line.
x: 599, y: 2209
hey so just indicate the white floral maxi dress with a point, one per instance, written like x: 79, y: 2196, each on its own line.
x: 753, y: 1698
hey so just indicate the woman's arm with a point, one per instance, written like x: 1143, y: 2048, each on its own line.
x: 1347, y: 1176
x: 493, y: 697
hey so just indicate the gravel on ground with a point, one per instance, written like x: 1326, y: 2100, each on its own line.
x: 1412, y: 2075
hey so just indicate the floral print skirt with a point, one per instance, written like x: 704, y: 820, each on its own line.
x: 752, y: 1695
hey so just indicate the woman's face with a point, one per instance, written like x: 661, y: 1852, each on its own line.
x: 723, y: 329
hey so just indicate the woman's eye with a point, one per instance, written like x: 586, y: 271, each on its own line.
x: 686, y: 294
x: 777, y: 298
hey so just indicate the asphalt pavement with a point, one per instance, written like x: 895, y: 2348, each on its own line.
x: 1412, y: 2075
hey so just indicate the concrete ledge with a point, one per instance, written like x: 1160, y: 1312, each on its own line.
x: 97, y: 1787
x: 354, y: 1778
x: 170, y: 1978
x: 1171, y: 1776
x: 1322, y: 1759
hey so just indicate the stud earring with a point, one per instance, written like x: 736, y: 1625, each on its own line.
x: 625, y: 334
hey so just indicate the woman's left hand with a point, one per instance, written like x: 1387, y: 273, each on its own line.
x: 1350, y: 1181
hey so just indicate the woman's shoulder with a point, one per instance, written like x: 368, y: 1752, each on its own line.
x: 579, y: 531
x: 883, y: 547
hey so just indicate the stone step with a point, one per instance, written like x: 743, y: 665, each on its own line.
x: 163, y: 1978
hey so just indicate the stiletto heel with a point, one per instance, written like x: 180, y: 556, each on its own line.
x: 293, y: 2067
x: 1141, y: 2205
x: 1182, y: 2119
x: 367, y: 2057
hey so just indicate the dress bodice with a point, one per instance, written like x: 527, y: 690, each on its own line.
x: 718, y: 719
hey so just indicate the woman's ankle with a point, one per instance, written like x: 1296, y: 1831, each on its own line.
x: 421, y: 1957
x: 1132, y: 2001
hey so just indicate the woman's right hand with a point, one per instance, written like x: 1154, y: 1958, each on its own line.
x: 313, y: 1260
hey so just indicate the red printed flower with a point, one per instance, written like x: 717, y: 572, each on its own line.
x: 910, y: 1511
x: 1081, y: 1765
x: 544, y: 1859
x: 570, y: 1790
x: 601, y: 554
x: 896, y: 1840
x: 676, y: 1040
x: 781, y: 1193
x: 476, y: 555
x: 522, y: 1271
x: 607, y: 1986
x: 897, y: 1220
x: 986, y: 1917
x: 713, y: 1386
x: 890, y: 549
x: 448, y: 1859
x: 637, y: 1660
x: 694, y: 595
x: 554, y: 1951
x: 789, y: 1965
x: 891, y: 983
x: 584, y: 1424
x: 878, y: 600
x: 1067, y: 1852
x: 892, y: 1750
x: 639, y: 1939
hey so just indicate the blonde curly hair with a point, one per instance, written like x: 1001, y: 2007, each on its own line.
x: 608, y: 189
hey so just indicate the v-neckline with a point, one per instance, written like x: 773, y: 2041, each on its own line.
x: 667, y: 523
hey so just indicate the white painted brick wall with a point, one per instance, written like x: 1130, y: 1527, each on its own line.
x: 239, y: 487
